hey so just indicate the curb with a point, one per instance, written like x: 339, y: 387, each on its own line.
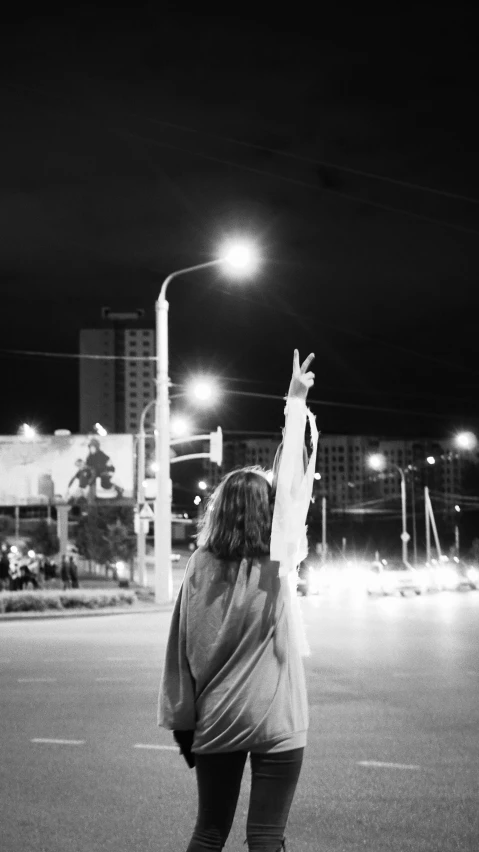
x: 86, y: 613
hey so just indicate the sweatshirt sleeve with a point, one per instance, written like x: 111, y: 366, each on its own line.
x: 293, y: 490
x: 176, y: 701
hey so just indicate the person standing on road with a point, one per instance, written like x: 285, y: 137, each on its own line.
x: 233, y: 681
x: 73, y: 573
x: 65, y: 574
x: 4, y: 571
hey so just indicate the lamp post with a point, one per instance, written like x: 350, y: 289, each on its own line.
x: 378, y: 462
x: 238, y: 257
x: 404, y: 535
x: 140, y: 492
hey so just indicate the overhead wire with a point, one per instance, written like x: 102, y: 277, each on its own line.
x: 296, y: 181
x: 311, y: 160
x: 305, y: 184
x: 152, y: 359
x: 276, y: 151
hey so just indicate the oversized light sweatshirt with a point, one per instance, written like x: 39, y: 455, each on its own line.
x: 231, y: 672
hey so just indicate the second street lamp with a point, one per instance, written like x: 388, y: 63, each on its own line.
x: 378, y: 462
x: 241, y: 258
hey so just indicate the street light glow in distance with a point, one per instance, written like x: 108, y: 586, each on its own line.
x: 376, y: 461
x: 466, y: 440
x: 180, y: 426
x: 28, y: 431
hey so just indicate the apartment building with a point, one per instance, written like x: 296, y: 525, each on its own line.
x: 117, y: 377
x: 346, y: 478
x: 243, y: 451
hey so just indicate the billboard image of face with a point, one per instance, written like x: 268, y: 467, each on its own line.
x: 72, y: 469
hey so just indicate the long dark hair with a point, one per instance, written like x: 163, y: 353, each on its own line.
x: 237, y: 521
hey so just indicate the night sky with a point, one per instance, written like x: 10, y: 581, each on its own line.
x: 134, y: 140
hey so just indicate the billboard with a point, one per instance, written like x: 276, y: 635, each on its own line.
x: 65, y: 468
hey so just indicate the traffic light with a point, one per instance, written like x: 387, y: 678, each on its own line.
x: 216, y: 446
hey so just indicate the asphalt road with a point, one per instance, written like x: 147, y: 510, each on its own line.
x: 392, y: 761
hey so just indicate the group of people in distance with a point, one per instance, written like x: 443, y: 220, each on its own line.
x: 21, y: 574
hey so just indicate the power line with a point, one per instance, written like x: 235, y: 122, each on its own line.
x: 311, y: 160
x: 295, y: 181
x: 278, y: 152
x: 308, y: 185
x: 151, y: 358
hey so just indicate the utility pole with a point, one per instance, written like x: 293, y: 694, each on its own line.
x: 428, y: 530
x: 413, y: 505
x: 324, y: 548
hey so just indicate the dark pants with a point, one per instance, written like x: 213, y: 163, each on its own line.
x: 274, y: 777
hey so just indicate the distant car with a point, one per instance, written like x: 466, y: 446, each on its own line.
x: 452, y: 575
x: 389, y: 578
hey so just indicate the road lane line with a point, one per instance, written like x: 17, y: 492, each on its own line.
x: 112, y: 679
x: 157, y: 747
x: 57, y: 742
x: 387, y: 765
x: 122, y: 659
x: 36, y: 680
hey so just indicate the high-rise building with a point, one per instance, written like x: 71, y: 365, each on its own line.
x: 244, y: 452
x: 119, y: 380
x: 346, y: 478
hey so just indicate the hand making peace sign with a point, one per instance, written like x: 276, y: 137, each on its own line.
x: 301, y: 380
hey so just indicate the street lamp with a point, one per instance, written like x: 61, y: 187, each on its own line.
x: 180, y: 426
x: 466, y: 441
x: 378, y: 462
x: 203, y: 390
x: 28, y: 431
x: 239, y: 258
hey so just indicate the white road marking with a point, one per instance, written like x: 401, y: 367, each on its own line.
x: 158, y: 747
x: 112, y: 679
x: 57, y: 742
x: 36, y: 680
x: 388, y: 765
x: 122, y: 659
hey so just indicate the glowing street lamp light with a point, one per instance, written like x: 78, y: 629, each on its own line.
x: 466, y: 441
x: 204, y: 390
x: 376, y: 461
x: 240, y: 257
x: 431, y: 460
x: 28, y: 431
x: 202, y: 485
x: 179, y: 426
x: 237, y: 260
